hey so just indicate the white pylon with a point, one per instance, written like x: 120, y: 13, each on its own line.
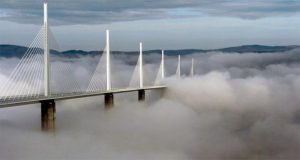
x: 108, y: 69
x: 141, y: 66
x: 192, y: 68
x: 162, y: 64
x: 178, y: 68
x: 46, y: 54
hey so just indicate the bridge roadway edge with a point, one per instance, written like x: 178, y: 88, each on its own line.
x: 48, y: 107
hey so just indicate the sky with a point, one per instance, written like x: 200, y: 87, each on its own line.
x: 166, y: 24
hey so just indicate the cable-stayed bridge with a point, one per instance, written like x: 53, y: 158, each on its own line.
x: 31, y: 81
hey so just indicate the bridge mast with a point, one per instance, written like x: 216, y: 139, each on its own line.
x: 192, y: 68
x: 46, y: 54
x: 108, y: 97
x: 162, y: 64
x: 108, y: 69
x: 141, y: 93
x: 141, y: 66
x: 47, y: 106
x: 178, y: 68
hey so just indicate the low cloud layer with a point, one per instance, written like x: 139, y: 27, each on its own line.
x: 238, y: 106
x: 100, y: 12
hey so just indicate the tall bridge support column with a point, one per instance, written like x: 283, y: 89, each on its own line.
x: 108, y: 100
x: 48, y: 115
x: 142, y: 95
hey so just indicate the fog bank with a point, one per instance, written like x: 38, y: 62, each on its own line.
x: 238, y: 106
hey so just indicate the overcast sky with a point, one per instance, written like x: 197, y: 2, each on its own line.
x: 164, y: 24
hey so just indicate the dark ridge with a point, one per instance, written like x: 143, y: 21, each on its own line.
x: 258, y: 49
x: 12, y: 51
x: 18, y: 51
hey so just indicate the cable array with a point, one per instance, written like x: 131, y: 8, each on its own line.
x: 134, y: 80
x: 159, y: 78
x: 26, y: 79
x: 62, y: 75
x: 98, y: 80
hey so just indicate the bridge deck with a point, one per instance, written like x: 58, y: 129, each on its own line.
x: 64, y: 96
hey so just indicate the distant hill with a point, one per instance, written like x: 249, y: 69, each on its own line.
x: 12, y: 51
x: 18, y: 51
x: 258, y: 49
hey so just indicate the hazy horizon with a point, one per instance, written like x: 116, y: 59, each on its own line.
x: 154, y: 49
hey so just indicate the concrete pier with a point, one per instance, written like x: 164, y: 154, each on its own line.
x: 48, y: 115
x: 142, y: 95
x: 108, y: 100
